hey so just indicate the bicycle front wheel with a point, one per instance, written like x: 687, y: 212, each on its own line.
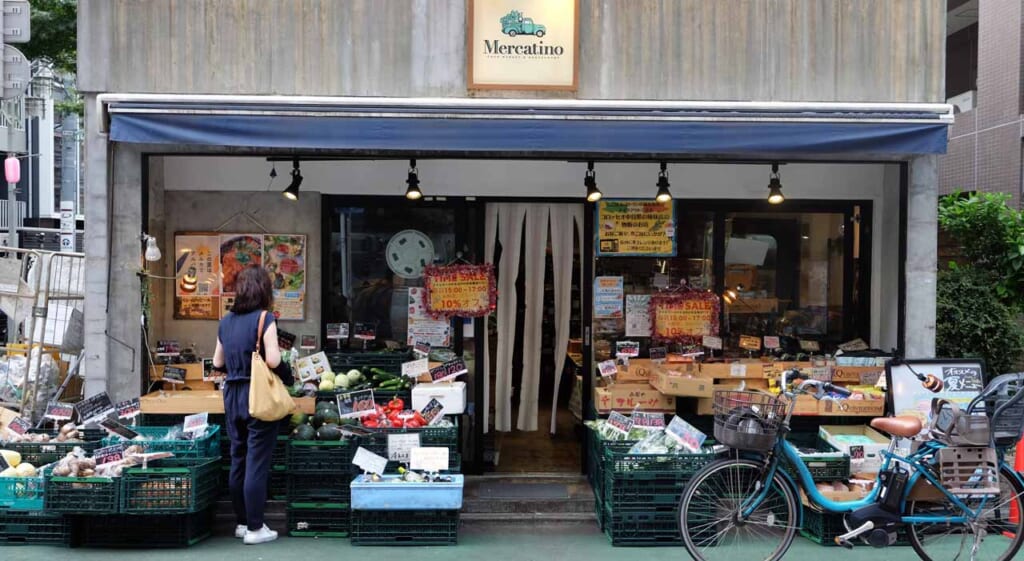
x: 712, y: 520
x: 995, y: 535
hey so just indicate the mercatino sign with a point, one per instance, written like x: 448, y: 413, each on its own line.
x: 523, y: 44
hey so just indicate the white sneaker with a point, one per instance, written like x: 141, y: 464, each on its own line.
x: 240, y: 531
x: 263, y: 535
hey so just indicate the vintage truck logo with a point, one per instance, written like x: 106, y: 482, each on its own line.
x: 515, y: 24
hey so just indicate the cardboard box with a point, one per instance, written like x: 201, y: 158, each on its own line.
x: 852, y: 408
x: 669, y: 383
x: 866, y: 375
x: 200, y: 401
x: 737, y: 274
x: 806, y: 405
x: 864, y: 444
x: 855, y: 494
x: 6, y: 416
x: 626, y: 397
x: 739, y: 369
x: 638, y: 371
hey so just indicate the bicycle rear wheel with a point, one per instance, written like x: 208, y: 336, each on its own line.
x: 995, y: 533
x: 710, y: 520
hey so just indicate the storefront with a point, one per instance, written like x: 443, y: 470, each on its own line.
x: 501, y: 154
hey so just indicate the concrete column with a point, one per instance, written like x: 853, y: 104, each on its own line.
x: 97, y: 254
x: 922, y: 257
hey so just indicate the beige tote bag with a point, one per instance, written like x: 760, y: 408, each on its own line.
x: 268, y: 398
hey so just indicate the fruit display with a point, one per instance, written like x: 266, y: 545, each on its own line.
x: 393, y: 415
x: 324, y: 425
x: 76, y: 464
x: 17, y: 468
x: 68, y: 433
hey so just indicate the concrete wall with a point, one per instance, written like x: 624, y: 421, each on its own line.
x: 189, y: 177
x: 796, y: 50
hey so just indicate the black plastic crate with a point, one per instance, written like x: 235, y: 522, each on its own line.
x: 405, y: 527
x: 319, y: 488
x: 169, y: 420
x: 77, y: 495
x: 644, y: 491
x: 32, y: 527
x: 319, y: 520
x: 824, y: 527
x: 389, y: 361
x: 149, y: 531
x: 642, y: 528
x: 42, y: 453
x: 315, y: 456
x: 380, y: 397
x: 821, y: 468
x: 172, y: 486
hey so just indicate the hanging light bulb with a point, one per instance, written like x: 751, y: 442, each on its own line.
x: 730, y: 296
x: 664, y: 195
x: 590, y: 182
x: 152, y: 250
x: 413, y: 192
x: 292, y: 191
x: 775, y: 195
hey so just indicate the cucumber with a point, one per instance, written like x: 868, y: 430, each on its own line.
x: 384, y: 374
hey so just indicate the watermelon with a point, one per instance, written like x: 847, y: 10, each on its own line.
x: 304, y: 432
x: 329, y: 431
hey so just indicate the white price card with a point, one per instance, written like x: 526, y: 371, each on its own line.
x: 370, y: 462
x: 608, y: 368
x: 712, y: 342
x: 429, y: 460
x: 415, y: 368
x: 196, y: 423
x: 771, y: 342
x: 399, y: 446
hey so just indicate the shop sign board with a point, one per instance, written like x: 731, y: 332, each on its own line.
x: 635, y: 228
x: 608, y: 294
x: 684, y: 317
x: 460, y: 290
x: 523, y: 44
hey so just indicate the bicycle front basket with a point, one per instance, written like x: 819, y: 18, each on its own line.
x: 748, y: 420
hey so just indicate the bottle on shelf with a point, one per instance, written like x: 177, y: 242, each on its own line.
x: 410, y: 476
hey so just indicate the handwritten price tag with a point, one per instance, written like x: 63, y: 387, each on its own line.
x: 415, y: 368
x: 128, y: 409
x: 108, y: 454
x: 712, y: 342
x: 430, y: 460
x: 750, y: 343
x: 627, y: 348
x: 449, y: 370
x: 771, y: 342
x: 648, y: 420
x: 620, y: 423
x: 686, y: 434
x: 608, y: 368
x: 355, y: 404
x: 399, y: 446
x: 370, y: 462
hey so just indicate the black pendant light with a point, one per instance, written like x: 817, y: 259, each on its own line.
x: 412, y: 192
x: 292, y: 191
x: 775, y: 196
x: 590, y: 182
x: 664, y: 195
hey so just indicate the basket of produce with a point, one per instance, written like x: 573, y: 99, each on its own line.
x: 44, y: 447
x: 175, y: 486
x: 173, y: 440
x: 824, y: 461
x: 21, y: 485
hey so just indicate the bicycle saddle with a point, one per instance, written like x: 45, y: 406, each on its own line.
x: 903, y: 427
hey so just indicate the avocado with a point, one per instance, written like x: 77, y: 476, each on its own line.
x: 329, y: 431
x: 298, y: 419
x: 304, y: 432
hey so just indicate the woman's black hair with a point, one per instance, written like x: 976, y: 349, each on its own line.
x: 253, y: 291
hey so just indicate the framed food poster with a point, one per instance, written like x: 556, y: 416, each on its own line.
x: 207, y: 266
x: 962, y: 380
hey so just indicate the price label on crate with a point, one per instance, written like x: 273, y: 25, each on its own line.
x: 648, y: 420
x: 94, y: 408
x: 627, y: 348
x: 421, y: 348
x: 19, y: 426
x: 366, y: 331
x: 430, y: 460
x: 449, y: 370
x: 772, y: 342
x: 128, y: 409
x: 659, y: 354
x: 685, y: 434
x: 57, y: 411
x: 108, y: 454
x: 399, y: 446
x: 308, y: 342
x: 712, y: 342
x: 114, y: 427
x: 369, y: 462
x: 196, y: 424
x: 355, y: 404
x: 607, y: 368
x: 432, y: 412
x: 174, y: 375
x: 809, y: 346
x: 415, y: 368
x: 620, y: 423
x: 337, y: 331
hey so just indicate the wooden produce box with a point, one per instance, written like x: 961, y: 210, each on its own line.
x: 739, y: 369
x: 871, y: 407
x: 705, y: 406
x: 193, y: 377
x: 857, y: 374
x: 672, y: 382
x: 199, y: 401
x: 626, y: 397
x: 638, y: 371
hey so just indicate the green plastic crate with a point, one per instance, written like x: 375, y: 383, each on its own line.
x: 429, y: 437
x: 642, y: 528
x: 390, y: 361
x: 319, y: 520
x: 646, y: 482
x: 316, y: 456
x: 207, y: 446
x: 174, y: 486
x: 19, y: 527
x: 78, y: 495
x: 134, y: 531
x: 380, y: 397
x: 317, y: 488
x: 405, y: 527
x: 822, y: 468
x: 22, y: 493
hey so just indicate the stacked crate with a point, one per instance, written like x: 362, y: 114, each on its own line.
x: 318, y: 474
x: 22, y: 518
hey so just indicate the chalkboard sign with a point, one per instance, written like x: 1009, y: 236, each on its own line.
x: 174, y: 374
x: 285, y: 340
x: 98, y: 405
x: 962, y: 381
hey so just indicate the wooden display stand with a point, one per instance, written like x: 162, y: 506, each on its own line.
x: 188, y: 402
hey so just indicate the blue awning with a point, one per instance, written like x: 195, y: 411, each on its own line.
x: 598, y: 129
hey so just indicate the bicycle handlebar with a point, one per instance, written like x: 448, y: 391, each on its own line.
x: 820, y: 387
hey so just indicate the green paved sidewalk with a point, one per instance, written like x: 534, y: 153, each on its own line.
x: 562, y: 543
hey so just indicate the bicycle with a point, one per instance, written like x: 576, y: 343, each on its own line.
x: 745, y: 507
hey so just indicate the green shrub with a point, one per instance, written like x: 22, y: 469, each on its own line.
x: 972, y: 322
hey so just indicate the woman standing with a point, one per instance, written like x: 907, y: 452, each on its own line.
x: 252, y: 440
